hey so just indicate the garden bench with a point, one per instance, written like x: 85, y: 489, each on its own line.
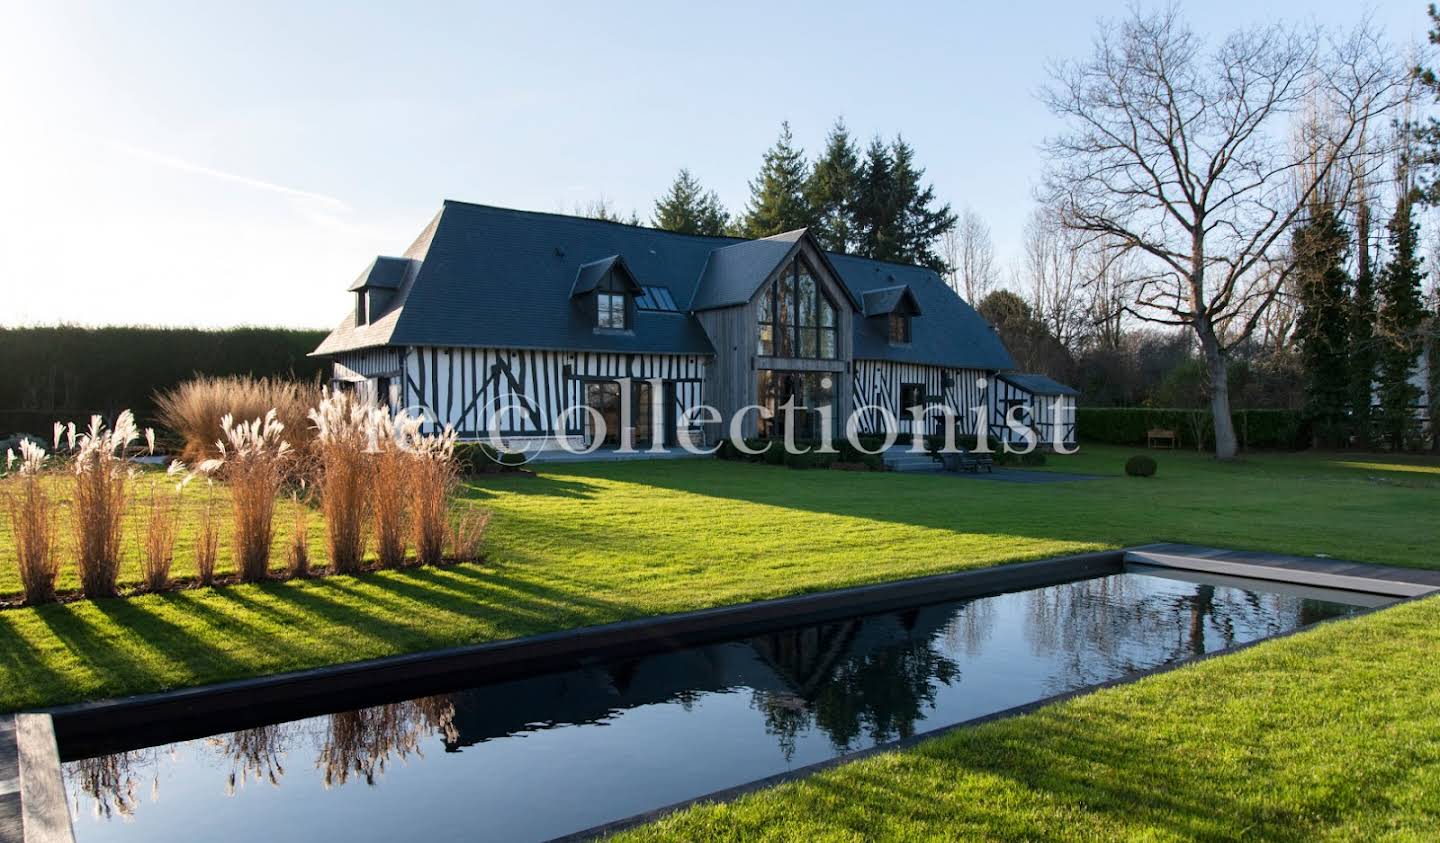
x: 1160, y: 437
x: 963, y: 460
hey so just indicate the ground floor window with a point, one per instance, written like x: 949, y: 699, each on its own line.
x: 604, y: 397
x: 809, y: 392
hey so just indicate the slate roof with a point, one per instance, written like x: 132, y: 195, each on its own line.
x: 1039, y: 384
x: 498, y: 277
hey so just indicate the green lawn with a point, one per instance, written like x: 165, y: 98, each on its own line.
x: 593, y: 543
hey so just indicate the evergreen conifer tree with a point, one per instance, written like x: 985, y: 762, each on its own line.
x: 1324, y: 323
x: 1398, y: 325
x: 777, y: 195
x: 689, y: 209
x: 832, y: 191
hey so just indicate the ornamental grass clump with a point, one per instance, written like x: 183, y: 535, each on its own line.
x: 465, y: 535
x: 207, y: 539
x: 298, y: 561
x: 433, y: 479
x: 162, y: 515
x: 391, y: 482
x: 103, y: 477
x: 342, y: 469
x: 192, y: 410
x: 254, y: 461
x: 32, y: 518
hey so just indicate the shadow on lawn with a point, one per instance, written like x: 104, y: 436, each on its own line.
x: 209, y: 635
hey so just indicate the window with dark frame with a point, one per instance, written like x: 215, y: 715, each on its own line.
x: 900, y: 328
x: 911, y: 395
x: 610, y: 310
x: 796, y: 318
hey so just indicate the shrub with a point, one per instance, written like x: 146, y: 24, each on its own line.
x: 480, y: 458
x: 102, y: 491
x: 32, y: 518
x: 1278, y: 429
x: 254, y: 459
x: 1140, y: 466
x: 193, y: 409
x: 342, y: 472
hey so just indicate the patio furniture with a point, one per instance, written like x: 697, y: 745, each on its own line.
x: 964, y: 460
x: 1160, y: 437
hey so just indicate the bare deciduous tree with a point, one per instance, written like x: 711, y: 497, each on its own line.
x: 1055, y: 265
x: 1178, y: 151
x: 969, y: 251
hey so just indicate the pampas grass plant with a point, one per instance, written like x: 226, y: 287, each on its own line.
x: 32, y: 518
x: 465, y: 535
x: 342, y: 469
x: 254, y: 459
x: 207, y: 539
x: 103, y: 477
x: 299, y: 557
x: 193, y: 409
x: 162, y: 515
x: 392, y: 469
x: 433, y: 480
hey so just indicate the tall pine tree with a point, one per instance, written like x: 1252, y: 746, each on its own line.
x: 1323, y: 325
x: 1362, y: 329
x: 876, y: 214
x: 689, y: 209
x: 777, y: 195
x: 921, y: 220
x: 1400, y: 319
x: 832, y: 191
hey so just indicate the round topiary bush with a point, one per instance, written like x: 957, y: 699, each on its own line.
x: 1140, y: 466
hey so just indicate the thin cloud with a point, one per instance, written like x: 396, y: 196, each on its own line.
x: 236, y: 178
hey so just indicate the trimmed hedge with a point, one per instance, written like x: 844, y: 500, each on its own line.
x: 66, y: 373
x: 1272, y: 429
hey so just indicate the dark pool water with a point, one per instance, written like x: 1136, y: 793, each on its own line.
x: 535, y: 758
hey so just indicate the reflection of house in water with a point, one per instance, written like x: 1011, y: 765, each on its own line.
x: 879, y: 667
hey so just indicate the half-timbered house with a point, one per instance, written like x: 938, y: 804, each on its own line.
x: 498, y: 320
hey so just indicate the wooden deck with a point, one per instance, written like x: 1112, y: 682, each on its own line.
x: 11, y: 830
x: 1303, y: 570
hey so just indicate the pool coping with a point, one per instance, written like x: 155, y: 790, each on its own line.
x: 253, y: 699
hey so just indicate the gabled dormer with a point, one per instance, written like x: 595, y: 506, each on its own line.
x: 377, y: 286
x: 607, y: 289
x: 897, y: 306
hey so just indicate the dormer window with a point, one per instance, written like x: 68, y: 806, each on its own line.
x: 612, y: 287
x: 362, y: 314
x: 900, y: 329
x: 610, y: 310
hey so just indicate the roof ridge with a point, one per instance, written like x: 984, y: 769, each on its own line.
x: 734, y: 240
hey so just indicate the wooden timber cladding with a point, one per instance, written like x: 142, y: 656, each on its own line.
x: 530, y: 388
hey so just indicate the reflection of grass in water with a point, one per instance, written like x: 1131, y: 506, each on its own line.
x: 360, y: 743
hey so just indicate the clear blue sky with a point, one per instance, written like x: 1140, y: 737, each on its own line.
x: 228, y: 163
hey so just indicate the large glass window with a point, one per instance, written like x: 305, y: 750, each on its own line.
x: 809, y: 391
x: 796, y: 318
